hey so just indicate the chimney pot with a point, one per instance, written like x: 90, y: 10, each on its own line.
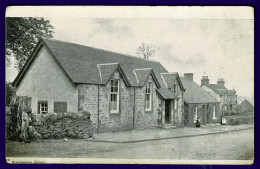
x: 221, y: 81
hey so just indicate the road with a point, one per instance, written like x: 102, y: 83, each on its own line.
x: 237, y: 145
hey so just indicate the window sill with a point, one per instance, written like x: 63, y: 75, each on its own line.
x: 114, y: 113
x: 215, y: 118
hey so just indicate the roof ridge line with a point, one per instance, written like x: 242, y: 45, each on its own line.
x: 103, y: 50
x: 143, y: 68
x: 170, y: 73
x: 107, y: 63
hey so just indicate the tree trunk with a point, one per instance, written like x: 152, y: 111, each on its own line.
x: 20, y: 108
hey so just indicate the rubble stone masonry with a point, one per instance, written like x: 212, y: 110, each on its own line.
x: 88, y: 101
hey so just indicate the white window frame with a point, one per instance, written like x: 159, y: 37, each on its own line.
x: 148, y: 86
x: 117, y: 97
x: 214, y: 112
x: 175, y: 104
x: 195, y: 113
x: 43, y: 105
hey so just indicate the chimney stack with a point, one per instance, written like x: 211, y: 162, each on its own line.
x: 204, y: 80
x: 221, y: 81
x: 189, y: 75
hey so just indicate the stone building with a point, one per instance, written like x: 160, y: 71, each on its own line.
x: 120, y: 92
x: 226, y: 97
x: 198, y: 104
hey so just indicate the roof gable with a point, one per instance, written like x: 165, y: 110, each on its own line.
x: 169, y: 78
x: 108, y: 69
x: 194, y: 93
x: 31, y: 59
x: 142, y: 75
x: 166, y: 93
x: 247, y: 102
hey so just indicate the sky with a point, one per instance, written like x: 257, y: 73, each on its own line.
x: 217, y: 47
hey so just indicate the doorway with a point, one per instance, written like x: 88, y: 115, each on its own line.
x: 167, y: 111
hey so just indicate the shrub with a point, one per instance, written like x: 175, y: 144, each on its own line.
x: 234, y: 122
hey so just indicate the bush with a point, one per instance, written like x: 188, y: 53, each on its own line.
x: 234, y: 122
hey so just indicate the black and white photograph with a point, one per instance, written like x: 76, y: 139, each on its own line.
x: 129, y: 84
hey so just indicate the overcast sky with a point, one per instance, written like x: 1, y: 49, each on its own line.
x: 215, y: 47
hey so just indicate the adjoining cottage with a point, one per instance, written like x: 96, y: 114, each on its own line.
x: 246, y: 106
x: 120, y: 92
x: 198, y: 103
x: 226, y: 97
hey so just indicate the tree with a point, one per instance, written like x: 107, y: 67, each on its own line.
x: 22, y: 35
x: 9, y: 92
x: 145, y: 50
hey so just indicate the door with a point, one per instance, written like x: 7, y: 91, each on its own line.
x: 60, y: 107
x: 167, y: 111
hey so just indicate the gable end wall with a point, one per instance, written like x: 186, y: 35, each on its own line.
x: 45, y: 81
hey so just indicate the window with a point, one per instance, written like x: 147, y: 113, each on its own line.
x: 214, y: 112
x: 148, y: 97
x: 175, y: 89
x: 42, y: 107
x: 225, y: 97
x: 114, y: 96
x: 60, y: 107
x: 195, y: 113
x: 175, y: 103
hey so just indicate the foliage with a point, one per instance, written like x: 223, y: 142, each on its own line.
x: 145, y: 50
x: 22, y: 35
x: 234, y: 122
x: 9, y: 92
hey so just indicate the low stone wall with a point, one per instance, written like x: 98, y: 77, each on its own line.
x: 63, y: 125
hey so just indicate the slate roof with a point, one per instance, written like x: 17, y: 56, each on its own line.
x: 107, y: 70
x: 166, y: 93
x: 142, y: 75
x: 240, y: 99
x: 218, y: 88
x: 247, y: 102
x: 80, y: 63
x: 194, y: 93
x: 169, y: 79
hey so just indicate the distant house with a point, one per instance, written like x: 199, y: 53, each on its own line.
x: 246, y: 106
x: 120, y: 92
x: 226, y: 97
x: 198, y: 103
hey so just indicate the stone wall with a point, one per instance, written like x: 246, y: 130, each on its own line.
x: 63, y: 125
x: 123, y: 120
x: 88, y: 101
x: 88, y: 98
x: 146, y: 119
x: 179, y: 116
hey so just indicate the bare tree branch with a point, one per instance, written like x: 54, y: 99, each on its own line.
x: 145, y: 51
